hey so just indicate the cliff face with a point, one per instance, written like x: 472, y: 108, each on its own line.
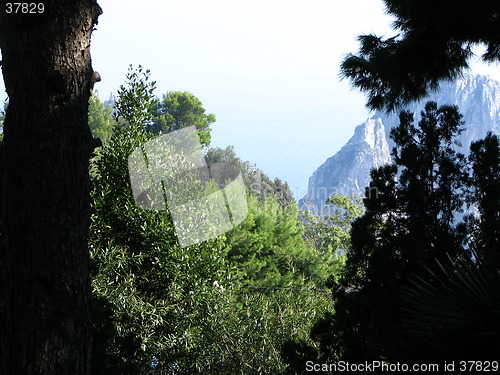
x: 348, y: 171
x: 478, y: 99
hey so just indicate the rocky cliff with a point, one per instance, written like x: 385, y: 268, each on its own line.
x: 347, y: 172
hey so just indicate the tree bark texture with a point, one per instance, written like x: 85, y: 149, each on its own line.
x: 45, y: 291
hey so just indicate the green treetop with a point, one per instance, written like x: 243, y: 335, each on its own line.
x: 180, y: 109
x: 101, y: 121
x: 137, y: 99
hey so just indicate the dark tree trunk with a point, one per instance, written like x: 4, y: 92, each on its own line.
x: 45, y: 323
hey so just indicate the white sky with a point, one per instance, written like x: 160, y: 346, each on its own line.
x: 246, y: 60
x: 272, y: 59
x: 259, y: 61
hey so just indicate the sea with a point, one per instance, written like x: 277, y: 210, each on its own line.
x: 288, y: 150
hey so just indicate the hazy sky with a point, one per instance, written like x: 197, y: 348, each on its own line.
x: 252, y: 63
x: 270, y: 60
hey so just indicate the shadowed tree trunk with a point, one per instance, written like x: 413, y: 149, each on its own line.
x: 45, y: 323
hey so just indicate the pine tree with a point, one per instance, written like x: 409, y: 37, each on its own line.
x: 408, y: 225
x: 433, y: 43
x: 484, y: 229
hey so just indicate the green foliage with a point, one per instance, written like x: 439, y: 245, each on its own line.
x: 268, y: 248
x: 330, y: 233
x: 484, y: 230
x: 143, y: 283
x: 160, y: 308
x: 282, y: 192
x: 269, y: 251
x: 407, y: 226
x: 137, y: 100
x: 101, y: 121
x: 451, y: 311
x: 258, y: 183
x: 244, y: 332
x: 185, y: 307
x: 432, y: 177
x: 149, y: 293
x: 179, y: 110
x: 432, y: 45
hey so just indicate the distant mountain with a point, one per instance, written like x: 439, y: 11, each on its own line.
x: 111, y: 100
x: 347, y: 172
